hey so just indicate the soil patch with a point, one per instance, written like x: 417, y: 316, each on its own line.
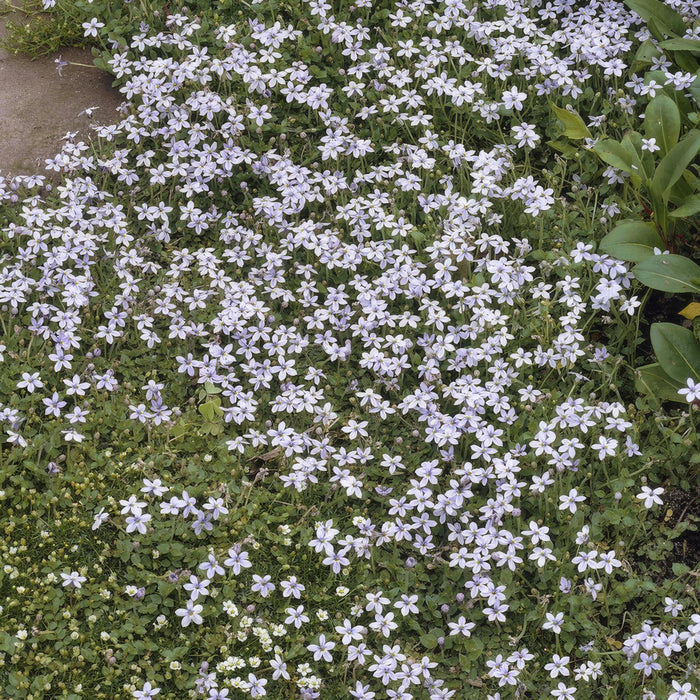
x: 38, y: 107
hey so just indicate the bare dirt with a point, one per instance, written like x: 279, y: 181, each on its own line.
x: 38, y: 107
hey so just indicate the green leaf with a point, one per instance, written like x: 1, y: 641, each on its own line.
x: 642, y: 162
x: 676, y: 161
x: 692, y: 45
x: 632, y: 241
x: 689, y: 206
x: 118, y: 39
x: 613, y: 153
x: 574, y: 126
x: 429, y: 641
x: 680, y: 569
x: 694, y: 89
x: 418, y: 237
x: 645, y: 53
x: 669, y: 273
x: 100, y: 63
x: 652, y: 380
x: 563, y: 147
x: 632, y: 143
x: 662, y: 121
x: 666, y: 19
x: 677, y: 350
x: 179, y: 430
x: 211, y: 409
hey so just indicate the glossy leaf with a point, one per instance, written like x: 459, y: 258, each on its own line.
x: 632, y: 241
x: 677, y: 351
x: 669, y: 273
x: 662, y: 121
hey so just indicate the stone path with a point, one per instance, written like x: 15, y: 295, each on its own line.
x: 38, y: 107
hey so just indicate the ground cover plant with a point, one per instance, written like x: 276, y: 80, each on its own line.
x: 314, y: 380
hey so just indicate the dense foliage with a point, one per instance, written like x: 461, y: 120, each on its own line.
x: 314, y: 381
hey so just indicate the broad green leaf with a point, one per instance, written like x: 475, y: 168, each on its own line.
x: 691, y: 311
x: 669, y: 273
x: 683, y: 189
x: 632, y: 143
x: 655, y: 30
x: 613, y: 153
x: 645, y: 53
x: 676, y: 161
x: 632, y: 241
x: 660, y: 208
x: 652, y: 380
x: 677, y: 351
x: 666, y: 19
x: 575, y: 127
x: 685, y: 61
x: 692, y: 45
x: 696, y: 328
x: 658, y: 76
x: 662, y: 121
x: 690, y: 206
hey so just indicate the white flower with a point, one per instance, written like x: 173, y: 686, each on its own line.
x: 99, y: 518
x: 650, y: 145
x: 605, y: 446
x: 650, y: 497
x: 190, y: 613
x: 554, y: 623
x: 461, y: 627
x: 407, y: 604
x: 672, y: 606
x: 146, y: 693
x: 691, y: 392
x: 322, y: 650
x: 562, y: 692
x: 608, y: 562
x: 92, y: 26
x: 682, y: 692
x: 73, y: 579
x: 570, y: 501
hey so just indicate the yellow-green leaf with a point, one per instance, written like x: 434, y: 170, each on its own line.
x: 691, y: 311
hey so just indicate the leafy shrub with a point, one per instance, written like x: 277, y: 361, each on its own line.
x: 314, y: 384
